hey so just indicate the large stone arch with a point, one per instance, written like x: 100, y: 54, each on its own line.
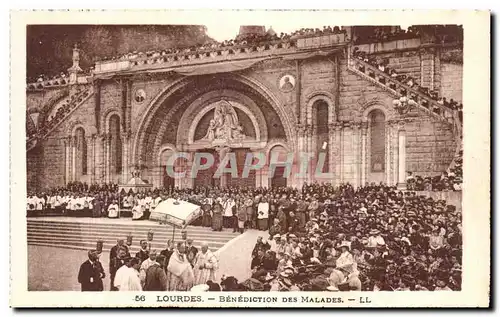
x: 177, y: 96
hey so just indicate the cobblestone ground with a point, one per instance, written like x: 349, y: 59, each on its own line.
x: 56, y: 269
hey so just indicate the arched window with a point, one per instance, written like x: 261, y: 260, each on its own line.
x: 320, y: 109
x: 81, y: 152
x: 116, y: 145
x: 377, y: 141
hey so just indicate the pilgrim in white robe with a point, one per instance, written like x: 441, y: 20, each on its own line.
x: 205, y: 267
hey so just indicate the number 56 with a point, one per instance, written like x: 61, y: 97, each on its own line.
x: 140, y: 298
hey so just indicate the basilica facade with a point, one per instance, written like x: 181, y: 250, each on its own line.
x: 308, y: 94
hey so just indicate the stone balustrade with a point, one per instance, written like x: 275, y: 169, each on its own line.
x: 74, y: 101
x: 218, y: 54
x: 58, y: 82
x: 394, y: 85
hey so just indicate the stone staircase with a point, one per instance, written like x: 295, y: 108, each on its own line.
x: 75, y: 101
x: 82, y: 235
x: 399, y: 89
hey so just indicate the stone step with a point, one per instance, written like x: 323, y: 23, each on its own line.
x: 113, y: 235
x: 91, y: 243
x: 84, y: 235
x: 131, y: 226
x: 133, y: 231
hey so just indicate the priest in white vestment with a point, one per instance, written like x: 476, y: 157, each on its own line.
x: 180, y: 275
x: 205, y: 265
x: 113, y: 210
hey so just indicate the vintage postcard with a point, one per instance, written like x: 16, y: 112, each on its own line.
x: 250, y: 159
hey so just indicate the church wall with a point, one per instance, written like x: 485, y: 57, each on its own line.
x: 451, y: 81
x: 152, y: 88
x: 430, y: 146
x: 40, y: 98
x: 430, y: 142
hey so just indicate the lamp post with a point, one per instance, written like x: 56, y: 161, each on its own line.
x: 403, y: 105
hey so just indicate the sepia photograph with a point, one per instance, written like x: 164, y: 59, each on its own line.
x: 320, y: 159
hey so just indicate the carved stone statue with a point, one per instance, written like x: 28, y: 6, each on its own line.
x: 225, y: 124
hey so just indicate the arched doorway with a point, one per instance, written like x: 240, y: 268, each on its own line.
x: 278, y: 178
x: 376, y: 146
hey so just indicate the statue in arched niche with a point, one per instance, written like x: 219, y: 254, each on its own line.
x: 225, y: 124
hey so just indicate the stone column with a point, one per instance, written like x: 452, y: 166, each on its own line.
x: 309, y: 133
x: 125, y: 157
x: 388, y: 154
x: 338, y: 153
x: 356, y: 149
x: 427, y: 67
x: 331, y: 151
x: 73, y: 160
x: 107, y: 158
x: 91, y: 158
x: 364, y: 165
x: 67, y: 152
x: 99, y: 153
x: 402, y: 158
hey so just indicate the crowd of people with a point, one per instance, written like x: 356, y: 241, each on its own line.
x: 441, y: 33
x: 382, y: 64
x: 373, y: 238
x: 449, y: 180
x: 176, y: 268
x: 318, y: 237
x: 248, y: 39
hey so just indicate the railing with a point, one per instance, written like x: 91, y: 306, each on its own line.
x: 44, y: 130
x: 399, y: 88
x: 190, y: 57
x: 58, y: 82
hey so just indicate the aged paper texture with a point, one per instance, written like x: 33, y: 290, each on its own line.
x: 267, y: 159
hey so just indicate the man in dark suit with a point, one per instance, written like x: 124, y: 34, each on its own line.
x: 117, y: 262
x: 143, y: 253
x: 167, y: 253
x: 114, y: 250
x: 191, y: 251
x: 91, y: 273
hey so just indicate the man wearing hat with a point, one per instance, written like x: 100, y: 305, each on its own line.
x: 91, y: 273
x: 375, y: 239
